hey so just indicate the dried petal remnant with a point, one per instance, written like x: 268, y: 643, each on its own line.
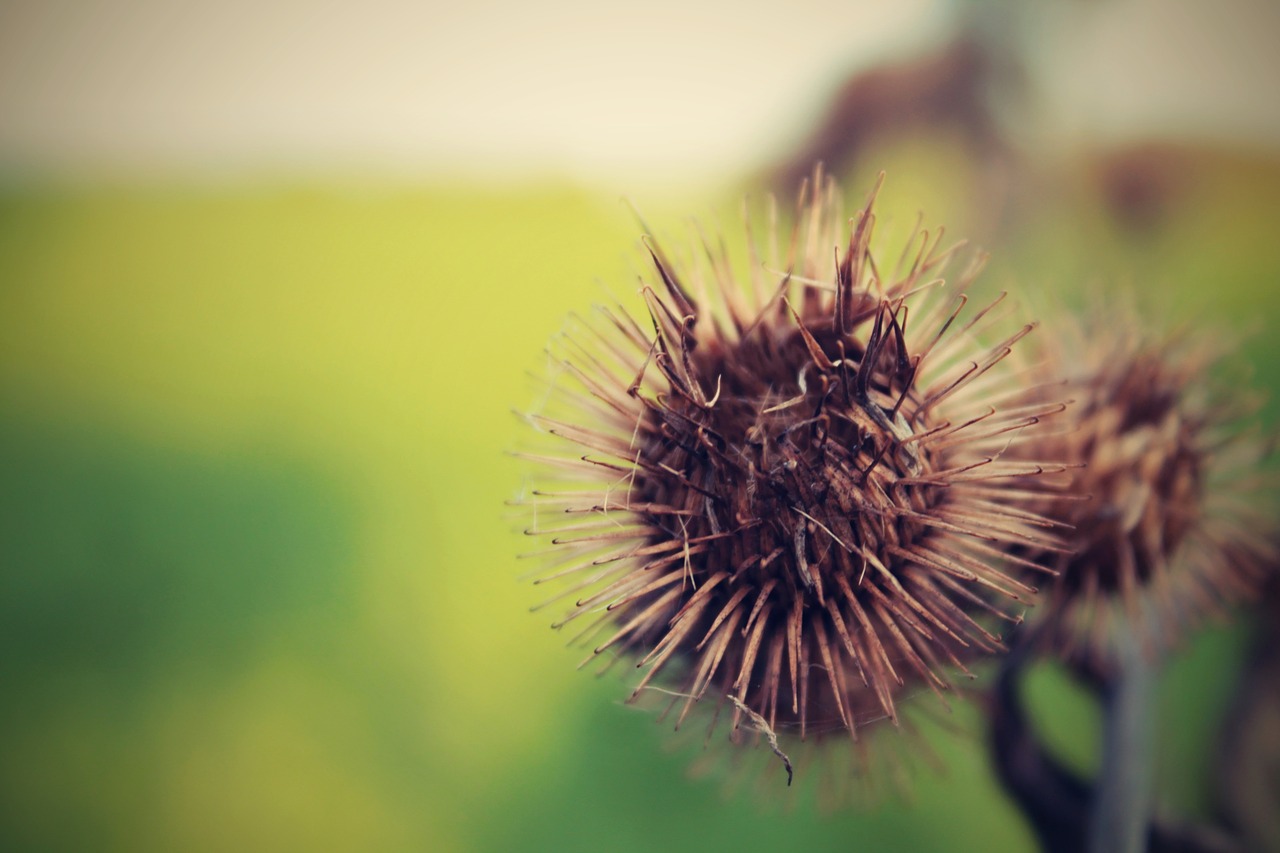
x: 792, y: 500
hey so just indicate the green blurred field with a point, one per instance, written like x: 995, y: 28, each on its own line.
x: 257, y: 583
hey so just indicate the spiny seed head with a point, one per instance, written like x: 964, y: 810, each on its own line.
x: 789, y: 498
x: 1169, y: 511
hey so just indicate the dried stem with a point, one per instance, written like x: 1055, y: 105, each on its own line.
x: 1122, y: 797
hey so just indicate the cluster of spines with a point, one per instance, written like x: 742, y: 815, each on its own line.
x: 885, y: 548
x: 1169, y: 509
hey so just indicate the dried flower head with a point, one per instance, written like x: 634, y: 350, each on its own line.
x: 795, y: 498
x: 1169, y: 509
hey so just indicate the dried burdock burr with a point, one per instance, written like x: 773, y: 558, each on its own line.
x: 788, y: 496
x: 1170, y: 514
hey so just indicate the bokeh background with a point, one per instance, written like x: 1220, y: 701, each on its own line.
x: 274, y: 275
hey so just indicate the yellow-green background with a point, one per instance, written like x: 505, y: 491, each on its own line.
x: 258, y: 585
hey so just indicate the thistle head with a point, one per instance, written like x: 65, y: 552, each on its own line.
x: 1169, y: 510
x: 788, y: 497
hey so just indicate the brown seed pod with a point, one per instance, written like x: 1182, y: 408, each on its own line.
x: 1171, y: 509
x: 795, y: 497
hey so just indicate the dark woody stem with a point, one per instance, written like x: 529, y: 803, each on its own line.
x: 1062, y: 807
x: 1053, y: 799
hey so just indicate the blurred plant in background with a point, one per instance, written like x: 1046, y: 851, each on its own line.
x: 1171, y: 515
x: 255, y: 594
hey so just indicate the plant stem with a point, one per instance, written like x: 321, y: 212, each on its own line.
x: 1122, y: 796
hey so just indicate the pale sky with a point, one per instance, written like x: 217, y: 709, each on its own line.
x: 498, y: 88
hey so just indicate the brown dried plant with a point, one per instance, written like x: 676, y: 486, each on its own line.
x: 791, y: 496
x: 1171, y: 509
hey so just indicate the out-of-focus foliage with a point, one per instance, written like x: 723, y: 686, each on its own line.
x: 257, y: 586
